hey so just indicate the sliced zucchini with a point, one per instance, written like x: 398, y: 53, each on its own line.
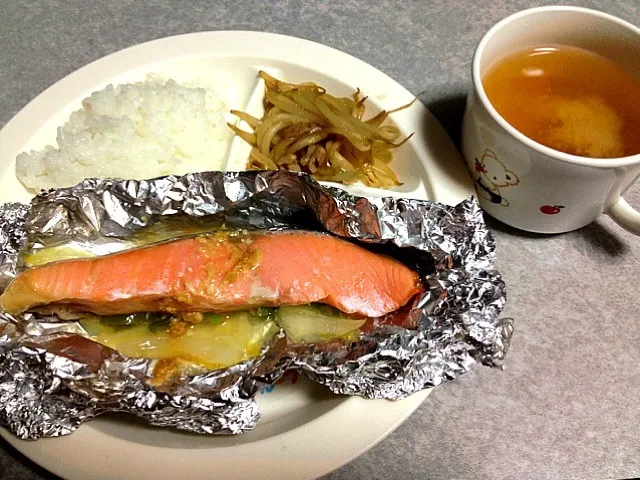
x: 317, y: 323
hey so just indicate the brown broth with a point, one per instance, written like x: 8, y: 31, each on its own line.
x: 568, y: 99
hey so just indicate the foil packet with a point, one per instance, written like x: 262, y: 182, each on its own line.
x: 53, y: 378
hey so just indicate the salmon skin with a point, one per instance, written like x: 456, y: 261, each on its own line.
x: 220, y: 272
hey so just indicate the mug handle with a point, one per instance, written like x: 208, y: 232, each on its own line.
x: 625, y: 215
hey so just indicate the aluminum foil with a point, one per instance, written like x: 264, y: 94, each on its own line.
x: 12, y: 237
x: 53, y: 378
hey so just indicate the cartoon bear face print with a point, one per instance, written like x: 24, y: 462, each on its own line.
x: 493, y: 172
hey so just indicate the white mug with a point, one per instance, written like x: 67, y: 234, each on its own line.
x: 524, y: 183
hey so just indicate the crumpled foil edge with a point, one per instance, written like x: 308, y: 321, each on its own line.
x: 52, y: 379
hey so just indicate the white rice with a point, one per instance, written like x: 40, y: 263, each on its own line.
x: 133, y: 131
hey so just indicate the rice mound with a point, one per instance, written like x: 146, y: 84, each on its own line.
x: 133, y: 131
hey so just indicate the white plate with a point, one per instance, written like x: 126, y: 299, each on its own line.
x: 305, y: 431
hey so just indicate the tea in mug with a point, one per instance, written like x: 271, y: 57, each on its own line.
x: 568, y: 99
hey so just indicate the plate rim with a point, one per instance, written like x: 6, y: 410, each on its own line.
x: 454, y: 183
x: 403, y: 408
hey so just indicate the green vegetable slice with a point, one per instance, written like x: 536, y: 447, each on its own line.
x: 217, y: 341
x: 317, y: 323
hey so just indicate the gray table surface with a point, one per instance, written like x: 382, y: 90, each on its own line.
x: 567, y: 404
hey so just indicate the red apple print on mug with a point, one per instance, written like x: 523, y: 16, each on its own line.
x: 551, y: 209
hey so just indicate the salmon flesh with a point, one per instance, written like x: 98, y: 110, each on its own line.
x: 220, y: 272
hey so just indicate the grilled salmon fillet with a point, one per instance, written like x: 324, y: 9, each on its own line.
x: 221, y: 272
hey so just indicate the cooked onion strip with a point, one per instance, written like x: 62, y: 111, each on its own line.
x: 262, y: 162
x: 308, y: 140
x: 246, y: 136
x: 290, y: 106
x: 305, y: 129
x: 252, y: 121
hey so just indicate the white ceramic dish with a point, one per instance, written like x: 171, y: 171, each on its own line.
x: 305, y: 431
